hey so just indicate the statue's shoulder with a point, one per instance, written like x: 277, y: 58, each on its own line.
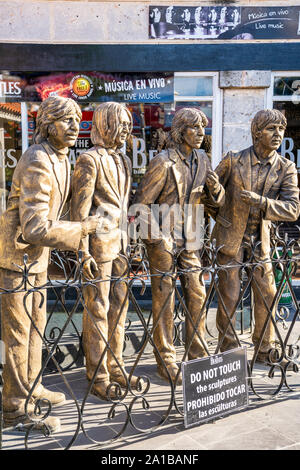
x: 35, y: 153
x: 164, y: 157
x: 169, y: 156
x: 127, y: 159
x: 203, y: 155
x: 94, y: 152
x: 91, y: 155
x: 286, y: 163
x: 237, y: 155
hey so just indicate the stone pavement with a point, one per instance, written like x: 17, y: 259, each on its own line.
x: 269, y: 424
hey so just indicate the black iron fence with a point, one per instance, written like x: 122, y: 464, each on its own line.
x: 154, y: 400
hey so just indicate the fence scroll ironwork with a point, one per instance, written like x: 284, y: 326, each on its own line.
x: 154, y: 401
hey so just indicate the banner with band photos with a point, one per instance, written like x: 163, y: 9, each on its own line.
x: 224, y: 22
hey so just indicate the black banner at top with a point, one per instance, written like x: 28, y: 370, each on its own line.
x: 156, y: 87
x: 224, y: 22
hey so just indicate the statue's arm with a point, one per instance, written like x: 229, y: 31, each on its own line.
x: 212, y: 201
x: 36, y: 191
x: 286, y: 207
x: 148, y: 191
x: 83, y: 188
x: 223, y: 169
x: 152, y: 182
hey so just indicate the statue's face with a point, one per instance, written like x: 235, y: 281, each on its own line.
x: 193, y: 135
x: 271, y: 136
x: 123, y: 130
x: 64, y: 132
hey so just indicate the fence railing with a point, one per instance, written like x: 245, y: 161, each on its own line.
x: 153, y: 400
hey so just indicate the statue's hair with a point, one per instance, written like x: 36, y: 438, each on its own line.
x: 106, y: 121
x: 182, y: 119
x: 51, y: 110
x: 265, y: 117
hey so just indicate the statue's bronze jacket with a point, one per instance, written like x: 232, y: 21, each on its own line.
x: 164, y: 183
x: 280, y: 190
x: 30, y: 224
x: 95, y: 188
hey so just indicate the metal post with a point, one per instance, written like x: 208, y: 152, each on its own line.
x: 24, y: 126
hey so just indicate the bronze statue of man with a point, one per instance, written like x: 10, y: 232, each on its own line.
x: 31, y: 226
x: 179, y: 178
x: 102, y: 182
x: 260, y: 187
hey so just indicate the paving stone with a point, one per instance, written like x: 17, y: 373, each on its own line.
x: 215, y: 431
x: 14, y: 440
x: 148, y: 441
x: 275, y: 416
x: 292, y: 447
x: 260, y: 439
x: 183, y: 443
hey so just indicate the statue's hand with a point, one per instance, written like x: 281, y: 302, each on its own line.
x: 90, y: 224
x: 90, y: 269
x: 251, y: 198
x: 212, y: 181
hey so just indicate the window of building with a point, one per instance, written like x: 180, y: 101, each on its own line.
x: 202, y: 90
x: 284, y: 95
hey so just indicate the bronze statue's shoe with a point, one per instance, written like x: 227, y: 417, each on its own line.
x: 100, y: 390
x: 19, y: 417
x: 199, y: 356
x: 55, y: 398
x: 270, y: 353
x: 123, y: 380
x: 173, y: 371
x: 264, y: 358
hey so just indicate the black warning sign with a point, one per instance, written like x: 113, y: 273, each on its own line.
x: 214, y: 386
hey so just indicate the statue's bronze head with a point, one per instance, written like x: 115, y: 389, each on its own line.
x: 53, y: 109
x: 107, y: 126
x: 182, y: 119
x: 263, y: 118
